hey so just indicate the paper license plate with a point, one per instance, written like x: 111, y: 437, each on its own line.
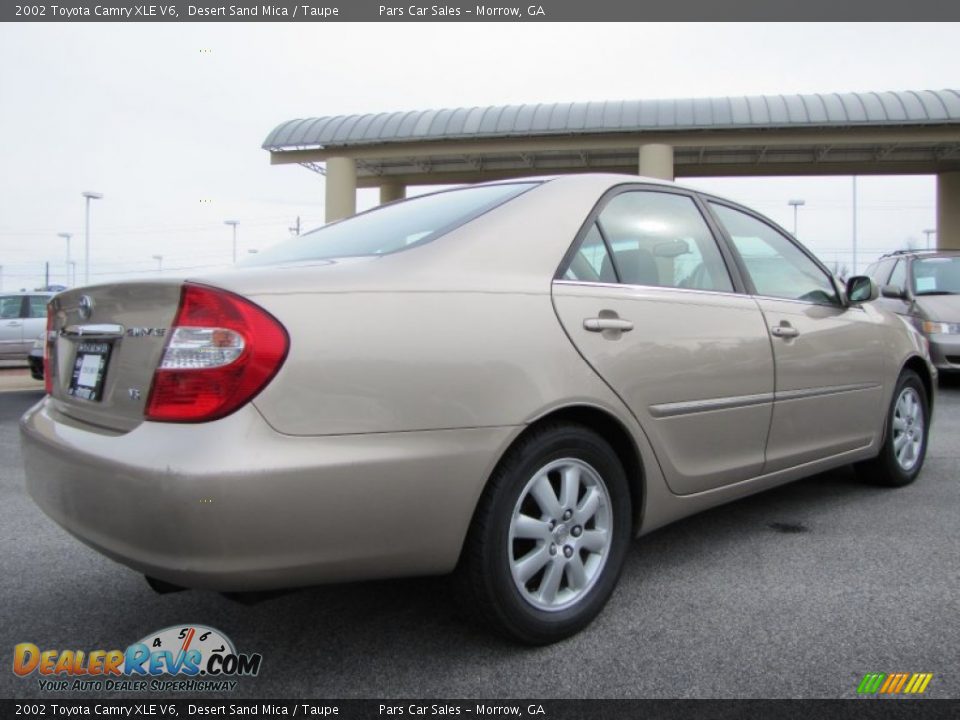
x: 89, y: 370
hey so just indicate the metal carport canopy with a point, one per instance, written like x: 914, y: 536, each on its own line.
x: 840, y: 133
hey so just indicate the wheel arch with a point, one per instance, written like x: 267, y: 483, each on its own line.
x: 611, y: 429
x: 920, y: 367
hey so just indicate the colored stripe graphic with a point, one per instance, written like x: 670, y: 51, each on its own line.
x: 871, y: 683
x: 918, y: 683
x: 894, y: 683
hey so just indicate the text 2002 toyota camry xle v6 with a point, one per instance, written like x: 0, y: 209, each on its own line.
x: 510, y: 379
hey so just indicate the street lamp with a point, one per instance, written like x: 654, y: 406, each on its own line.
x: 67, y: 236
x: 89, y: 195
x: 233, y: 224
x: 928, y: 233
x: 796, y: 204
x: 159, y: 259
x: 853, y: 271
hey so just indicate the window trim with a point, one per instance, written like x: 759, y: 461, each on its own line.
x: 733, y: 270
x: 657, y: 288
x: 842, y: 300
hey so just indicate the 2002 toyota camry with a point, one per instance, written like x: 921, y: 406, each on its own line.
x: 511, y: 380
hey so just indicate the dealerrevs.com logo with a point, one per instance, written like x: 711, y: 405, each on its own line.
x: 187, y: 658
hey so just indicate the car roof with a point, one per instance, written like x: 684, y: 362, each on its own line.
x: 942, y: 252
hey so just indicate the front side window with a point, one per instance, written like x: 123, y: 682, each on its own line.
x: 936, y: 276
x: 899, y: 275
x: 880, y: 271
x: 657, y: 239
x: 391, y: 228
x: 37, y: 307
x: 777, y: 267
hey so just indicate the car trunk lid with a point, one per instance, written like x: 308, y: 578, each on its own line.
x: 107, y: 342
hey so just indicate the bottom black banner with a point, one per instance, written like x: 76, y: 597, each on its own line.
x: 528, y: 709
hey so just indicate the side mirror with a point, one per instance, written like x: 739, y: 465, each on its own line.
x: 894, y: 291
x: 861, y: 289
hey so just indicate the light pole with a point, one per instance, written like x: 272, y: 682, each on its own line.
x: 89, y: 195
x: 67, y: 236
x: 853, y: 270
x: 928, y: 233
x: 796, y: 204
x: 233, y: 224
x: 159, y: 259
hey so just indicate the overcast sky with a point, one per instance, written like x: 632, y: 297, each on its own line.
x: 171, y: 135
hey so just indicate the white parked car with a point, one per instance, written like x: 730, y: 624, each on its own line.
x: 23, y: 316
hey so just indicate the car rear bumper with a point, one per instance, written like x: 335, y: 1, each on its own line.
x: 233, y: 505
x: 945, y: 351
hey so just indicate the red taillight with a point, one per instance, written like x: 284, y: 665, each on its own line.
x: 222, y: 350
x: 47, y: 342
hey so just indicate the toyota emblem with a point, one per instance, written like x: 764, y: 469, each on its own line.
x: 86, y: 307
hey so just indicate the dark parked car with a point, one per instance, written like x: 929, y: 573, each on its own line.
x: 924, y: 286
x: 35, y: 359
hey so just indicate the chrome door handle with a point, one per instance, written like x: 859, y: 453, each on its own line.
x: 784, y: 331
x: 601, y: 324
x: 13, y: 323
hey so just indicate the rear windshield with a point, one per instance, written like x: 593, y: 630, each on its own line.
x: 391, y: 228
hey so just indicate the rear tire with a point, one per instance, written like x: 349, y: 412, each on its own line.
x: 549, y: 535
x: 905, y: 440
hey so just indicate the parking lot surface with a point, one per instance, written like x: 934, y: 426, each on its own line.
x: 797, y: 592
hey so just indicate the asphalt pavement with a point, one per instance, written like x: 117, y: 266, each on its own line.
x: 797, y: 592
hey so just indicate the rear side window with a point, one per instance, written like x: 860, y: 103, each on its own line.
x: 651, y: 238
x: 393, y: 227
x: 591, y: 263
x: 10, y: 307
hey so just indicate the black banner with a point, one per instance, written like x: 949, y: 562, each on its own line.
x: 863, y: 708
x: 474, y: 11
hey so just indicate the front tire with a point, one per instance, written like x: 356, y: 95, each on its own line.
x: 549, y: 536
x: 905, y: 440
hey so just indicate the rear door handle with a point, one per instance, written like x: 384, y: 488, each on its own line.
x: 784, y: 331
x: 601, y: 324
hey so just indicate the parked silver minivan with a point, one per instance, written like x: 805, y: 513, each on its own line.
x: 924, y: 286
